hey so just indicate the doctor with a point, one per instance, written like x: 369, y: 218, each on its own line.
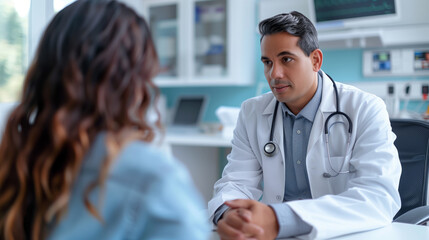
x: 330, y: 166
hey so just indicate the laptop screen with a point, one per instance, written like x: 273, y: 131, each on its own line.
x: 188, y: 111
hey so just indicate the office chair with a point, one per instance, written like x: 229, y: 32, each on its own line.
x: 412, y: 143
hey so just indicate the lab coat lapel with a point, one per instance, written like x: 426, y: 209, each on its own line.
x: 278, y: 128
x: 274, y: 180
x: 326, y: 107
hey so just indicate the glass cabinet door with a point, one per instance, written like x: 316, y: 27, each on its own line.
x: 210, y: 38
x: 163, y: 21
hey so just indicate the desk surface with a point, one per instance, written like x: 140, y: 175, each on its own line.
x: 395, y: 231
x: 197, y: 139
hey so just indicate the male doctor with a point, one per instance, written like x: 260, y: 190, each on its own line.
x: 328, y: 175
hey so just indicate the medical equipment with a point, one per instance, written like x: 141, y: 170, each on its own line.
x: 270, y: 147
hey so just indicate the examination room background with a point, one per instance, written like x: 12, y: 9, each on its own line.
x: 344, y: 65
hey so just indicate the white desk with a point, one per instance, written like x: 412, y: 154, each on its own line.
x: 198, y: 139
x: 203, y: 154
x: 395, y: 231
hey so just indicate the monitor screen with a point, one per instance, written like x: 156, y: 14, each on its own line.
x: 337, y: 10
x: 357, y: 13
x: 188, y: 111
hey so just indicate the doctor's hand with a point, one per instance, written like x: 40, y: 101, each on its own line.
x: 235, y: 224
x: 254, y: 212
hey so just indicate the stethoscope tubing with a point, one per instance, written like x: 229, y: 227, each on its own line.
x: 270, y: 146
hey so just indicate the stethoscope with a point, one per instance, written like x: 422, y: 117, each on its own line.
x: 270, y: 147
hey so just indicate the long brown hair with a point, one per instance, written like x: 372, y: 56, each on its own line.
x: 92, y: 73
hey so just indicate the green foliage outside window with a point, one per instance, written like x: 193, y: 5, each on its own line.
x: 13, y: 51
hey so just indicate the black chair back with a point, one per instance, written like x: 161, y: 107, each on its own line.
x: 412, y: 143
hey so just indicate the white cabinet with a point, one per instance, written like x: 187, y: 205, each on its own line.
x: 203, y: 42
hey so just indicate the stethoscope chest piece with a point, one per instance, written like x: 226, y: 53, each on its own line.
x: 269, y: 149
x: 270, y: 146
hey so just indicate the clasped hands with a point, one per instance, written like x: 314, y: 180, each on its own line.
x: 247, y: 220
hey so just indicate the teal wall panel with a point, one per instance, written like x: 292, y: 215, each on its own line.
x: 344, y: 65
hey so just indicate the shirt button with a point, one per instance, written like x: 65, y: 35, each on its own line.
x: 278, y: 197
x: 298, y: 162
x: 298, y: 131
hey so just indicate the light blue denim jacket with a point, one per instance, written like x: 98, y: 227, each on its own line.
x: 147, y: 195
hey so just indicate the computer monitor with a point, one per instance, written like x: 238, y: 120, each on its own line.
x: 188, y: 111
x: 351, y: 14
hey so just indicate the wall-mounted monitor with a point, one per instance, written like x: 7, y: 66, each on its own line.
x: 335, y: 14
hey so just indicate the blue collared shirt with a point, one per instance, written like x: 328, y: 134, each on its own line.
x: 296, y: 133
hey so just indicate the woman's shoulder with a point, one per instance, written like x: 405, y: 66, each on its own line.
x: 133, y: 155
x: 163, y: 184
x: 143, y: 184
x: 138, y: 157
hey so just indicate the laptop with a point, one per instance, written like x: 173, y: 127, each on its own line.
x: 187, y: 114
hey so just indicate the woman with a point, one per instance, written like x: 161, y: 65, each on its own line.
x: 75, y: 156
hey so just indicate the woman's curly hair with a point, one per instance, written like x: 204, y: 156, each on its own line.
x: 92, y: 73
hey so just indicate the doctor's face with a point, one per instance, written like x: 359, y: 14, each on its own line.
x: 291, y: 74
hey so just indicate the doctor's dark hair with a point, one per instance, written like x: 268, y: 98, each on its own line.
x: 295, y: 24
x: 92, y: 74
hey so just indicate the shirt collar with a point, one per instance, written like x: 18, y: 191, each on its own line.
x: 309, y: 111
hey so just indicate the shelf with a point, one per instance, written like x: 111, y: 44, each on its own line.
x: 171, y: 23
x: 349, y: 38
x: 410, y: 35
x: 386, y: 36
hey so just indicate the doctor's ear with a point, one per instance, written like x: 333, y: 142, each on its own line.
x: 316, y: 58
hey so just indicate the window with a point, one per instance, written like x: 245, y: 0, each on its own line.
x: 13, y: 47
x: 19, y: 18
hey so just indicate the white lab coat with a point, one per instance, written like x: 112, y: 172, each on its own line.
x: 365, y: 199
